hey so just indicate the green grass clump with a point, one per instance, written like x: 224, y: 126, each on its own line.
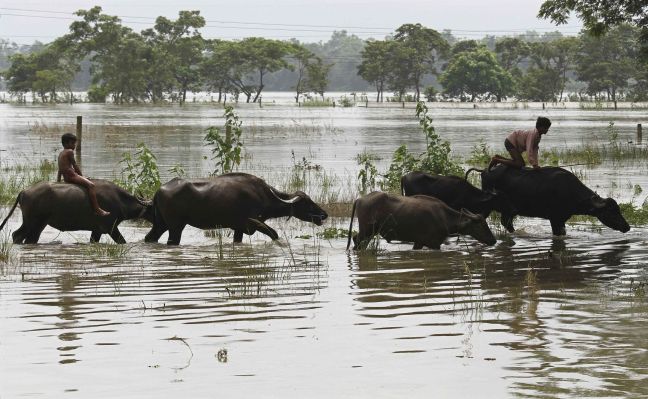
x: 635, y: 216
x: 315, y: 102
x: 106, y: 250
x: 330, y: 233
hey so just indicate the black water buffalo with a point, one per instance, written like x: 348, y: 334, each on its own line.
x: 423, y: 220
x: 66, y: 207
x: 239, y: 201
x: 456, y: 192
x: 551, y: 193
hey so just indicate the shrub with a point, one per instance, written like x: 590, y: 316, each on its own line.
x: 226, y: 149
x: 140, y: 174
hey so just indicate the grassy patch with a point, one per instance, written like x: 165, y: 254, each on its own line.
x: 18, y: 177
x: 316, y: 102
x: 106, y: 250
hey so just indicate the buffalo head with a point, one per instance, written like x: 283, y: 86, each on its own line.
x: 476, y: 227
x: 608, y: 212
x: 147, y: 211
x: 304, y: 208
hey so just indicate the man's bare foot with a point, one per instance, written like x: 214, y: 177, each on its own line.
x: 101, y: 212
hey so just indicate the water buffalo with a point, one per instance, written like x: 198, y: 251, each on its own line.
x: 239, y: 201
x: 456, y: 192
x: 551, y: 193
x: 66, y: 207
x: 423, y: 220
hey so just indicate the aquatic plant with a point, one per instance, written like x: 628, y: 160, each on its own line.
x: 480, y: 154
x: 6, y: 248
x: 140, y: 174
x: 106, y: 250
x: 436, y: 158
x: 368, y: 172
x: 226, y: 149
x: 17, y: 177
x: 316, y: 102
x: 345, y: 101
x: 330, y: 233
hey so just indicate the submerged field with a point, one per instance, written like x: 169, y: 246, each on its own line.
x: 301, y: 317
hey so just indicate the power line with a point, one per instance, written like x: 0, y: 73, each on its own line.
x: 388, y: 30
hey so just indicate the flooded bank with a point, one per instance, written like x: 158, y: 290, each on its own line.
x: 530, y: 316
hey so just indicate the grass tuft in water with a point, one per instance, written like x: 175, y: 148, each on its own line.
x: 106, y: 250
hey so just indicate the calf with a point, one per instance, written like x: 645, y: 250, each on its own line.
x: 456, y: 192
x: 423, y: 220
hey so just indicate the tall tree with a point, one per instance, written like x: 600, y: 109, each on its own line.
x: 600, y: 16
x: 216, y: 67
x: 317, y: 76
x: 265, y: 56
x: 375, y: 64
x: 427, y: 46
x: 181, y: 43
x: 477, y: 74
x: 606, y: 63
x: 510, y: 52
x: 114, y: 50
x: 303, y: 58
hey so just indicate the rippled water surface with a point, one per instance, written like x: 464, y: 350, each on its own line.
x: 532, y: 316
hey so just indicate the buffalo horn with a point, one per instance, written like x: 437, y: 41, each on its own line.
x: 290, y: 201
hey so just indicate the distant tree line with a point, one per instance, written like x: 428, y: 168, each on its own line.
x: 170, y: 59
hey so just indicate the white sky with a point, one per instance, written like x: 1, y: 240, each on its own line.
x: 24, y: 21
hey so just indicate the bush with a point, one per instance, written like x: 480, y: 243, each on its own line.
x: 226, y: 149
x: 430, y: 93
x: 97, y: 94
x: 140, y: 174
x: 435, y: 160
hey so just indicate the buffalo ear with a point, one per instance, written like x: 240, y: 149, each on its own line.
x: 598, y: 203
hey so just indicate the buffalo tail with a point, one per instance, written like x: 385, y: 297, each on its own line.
x: 13, y: 208
x: 351, y: 224
x: 470, y: 170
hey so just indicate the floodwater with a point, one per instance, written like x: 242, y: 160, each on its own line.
x: 531, y: 316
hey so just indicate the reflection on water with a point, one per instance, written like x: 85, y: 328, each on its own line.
x: 531, y: 316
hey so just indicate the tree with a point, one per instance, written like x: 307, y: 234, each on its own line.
x: 606, y: 63
x: 510, y: 52
x: 124, y: 71
x: 317, y: 76
x: 181, y: 44
x: 478, y: 74
x: 117, y: 54
x: 303, y: 59
x: 547, y: 75
x: 216, y: 67
x: 374, y: 67
x: 425, y: 47
x: 400, y: 64
x: 20, y: 75
x: 464, y: 45
x: 255, y: 56
x: 43, y: 73
x: 600, y: 16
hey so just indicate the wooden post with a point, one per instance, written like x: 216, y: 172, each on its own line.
x: 403, y: 104
x: 79, y: 134
x: 639, y: 133
x: 615, y: 105
x: 543, y: 105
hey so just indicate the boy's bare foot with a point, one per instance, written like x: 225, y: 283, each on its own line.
x: 101, y: 212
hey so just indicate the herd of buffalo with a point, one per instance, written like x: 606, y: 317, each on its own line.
x: 430, y: 209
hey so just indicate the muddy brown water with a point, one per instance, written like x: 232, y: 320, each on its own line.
x: 530, y: 316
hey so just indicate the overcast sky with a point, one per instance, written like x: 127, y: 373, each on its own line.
x: 24, y: 21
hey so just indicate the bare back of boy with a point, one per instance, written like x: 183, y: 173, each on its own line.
x: 71, y: 173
